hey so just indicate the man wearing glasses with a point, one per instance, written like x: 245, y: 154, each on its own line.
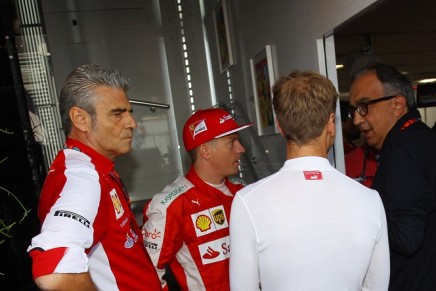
x: 383, y: 107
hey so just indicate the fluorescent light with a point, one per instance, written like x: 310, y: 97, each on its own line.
x: 427, y: 80
x: 339, y: 66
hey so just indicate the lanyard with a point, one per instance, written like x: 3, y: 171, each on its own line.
x: 114, y: 175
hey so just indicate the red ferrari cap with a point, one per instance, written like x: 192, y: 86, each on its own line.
x: 205, y: 125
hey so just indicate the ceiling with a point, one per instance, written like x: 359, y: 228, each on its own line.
x: 399, y: 32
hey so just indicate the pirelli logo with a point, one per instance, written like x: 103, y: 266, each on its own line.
x: 72, y: 215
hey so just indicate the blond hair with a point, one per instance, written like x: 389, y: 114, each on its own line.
x: 303, y: 103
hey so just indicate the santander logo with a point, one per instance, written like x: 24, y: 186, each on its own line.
x: 211, y: 254
x: 225, y: 118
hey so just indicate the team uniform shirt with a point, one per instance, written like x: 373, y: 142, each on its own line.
x: 406, y: 181
x: 361, y: 165
x: 87, y: 224
x: 187, y: 227
x: 308, y: 227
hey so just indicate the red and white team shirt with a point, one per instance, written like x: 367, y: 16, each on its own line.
x: 87, y: 224
x: 187, y: 227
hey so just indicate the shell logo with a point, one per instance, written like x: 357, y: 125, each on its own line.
x: 203, y: 222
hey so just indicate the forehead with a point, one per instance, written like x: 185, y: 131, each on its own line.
x: 229, y: 136
x: 226, y: 138
x: 365, y: 87
x: 111, y: 97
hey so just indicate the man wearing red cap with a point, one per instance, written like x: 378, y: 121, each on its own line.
x: 186, y: 225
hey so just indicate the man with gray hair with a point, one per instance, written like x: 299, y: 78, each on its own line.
x: 384, y: 109
x: 89, y: 238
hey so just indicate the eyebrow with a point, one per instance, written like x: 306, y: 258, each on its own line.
x: 362, y: 99
x: 121, y: 110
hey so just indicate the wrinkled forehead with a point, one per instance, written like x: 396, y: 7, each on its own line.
x: 111, y: 99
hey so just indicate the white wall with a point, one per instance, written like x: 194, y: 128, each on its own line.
x: 294, y: 28
x: 142, y: 39
x: 132, y: 37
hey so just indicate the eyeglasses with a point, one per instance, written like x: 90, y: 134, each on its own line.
x: 362, y: 106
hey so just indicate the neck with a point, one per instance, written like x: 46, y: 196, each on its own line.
x: 208, y: 175
x: 312, y: 149
x: 84, y: 139
x: 317, y: 147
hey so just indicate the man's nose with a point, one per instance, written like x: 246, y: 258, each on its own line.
x: 357, y: 119
x: 240, y: 147
x: 131, y: 123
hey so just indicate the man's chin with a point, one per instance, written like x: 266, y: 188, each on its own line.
x: 368, y: 136
x: 234, y: 172
x: 370, y: 142
x: 125, y: 150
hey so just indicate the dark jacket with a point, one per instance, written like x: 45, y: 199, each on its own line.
x: 406, y: 182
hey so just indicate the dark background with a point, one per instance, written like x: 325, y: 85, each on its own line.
x: 19, y: 171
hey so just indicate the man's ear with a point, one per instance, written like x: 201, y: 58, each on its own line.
x: 204, y: 151
x: 80, y: 119
x: 331, y: 124
x: 279, y: 128
x: 400, y: 105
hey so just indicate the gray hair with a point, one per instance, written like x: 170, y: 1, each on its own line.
x: 393, y: 81
x: 79, y: 90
